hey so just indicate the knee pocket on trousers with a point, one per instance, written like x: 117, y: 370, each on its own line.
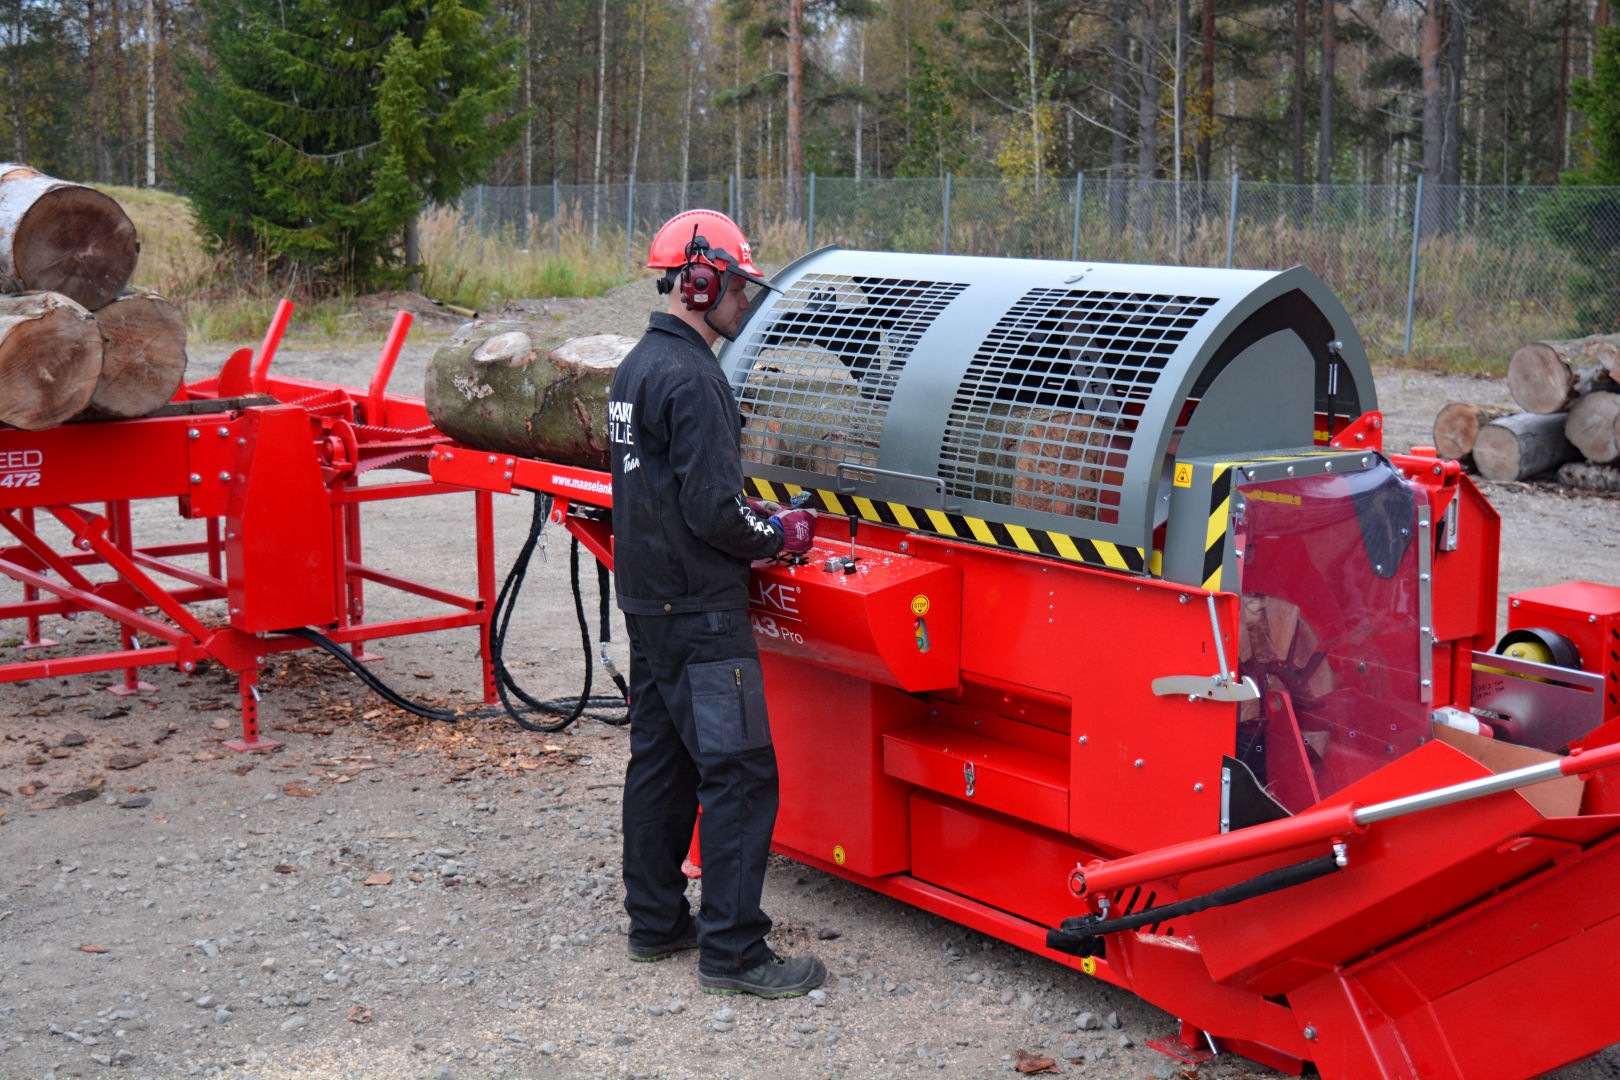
x: 728, y: 706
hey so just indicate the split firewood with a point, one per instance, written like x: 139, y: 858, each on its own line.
x: 1457, y: 425
x: 1275, y: 635
x: 1547, y: 376
x: 62, y: 237
x: 145, y: 358
x: 1593, y: 427
x: 508, y: 388
x: 1523, y: 445
x: 50, y: 359
x: 1584, y: 474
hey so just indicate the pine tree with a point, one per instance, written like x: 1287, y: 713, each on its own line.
x: 322, y: 126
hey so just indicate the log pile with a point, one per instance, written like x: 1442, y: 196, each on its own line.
x: 1569, y: 394
x: 73, y: 342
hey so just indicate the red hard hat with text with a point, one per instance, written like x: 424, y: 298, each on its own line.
x: 727, y: 247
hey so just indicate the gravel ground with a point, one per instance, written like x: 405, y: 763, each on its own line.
x: 386, y: 897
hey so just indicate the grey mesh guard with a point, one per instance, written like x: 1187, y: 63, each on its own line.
x: 1044, y: 395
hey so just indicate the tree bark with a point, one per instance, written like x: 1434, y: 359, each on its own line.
x: 151, y: 97
x: 1457, y: 425
x: 144, y: 359
x: 1583, y: 474
x: 1297, y: 142
x: 1593, y: 426
x: 795, y: 104
x: 1206, y: 88
x: 1324, y: 153
x: 1147, y: 104
x: 62, y: 237
x: 1430, y: 42
x: 50, y: 358
x: 1543, y: 378
x: 1522, y: 445
x: 515, y: 388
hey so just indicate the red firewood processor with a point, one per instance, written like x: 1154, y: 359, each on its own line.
x: 1134, y: 649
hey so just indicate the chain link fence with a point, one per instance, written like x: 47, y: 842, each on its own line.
x: 1456, y: 272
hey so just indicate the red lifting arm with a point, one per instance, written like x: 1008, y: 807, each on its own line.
x: 1319, y: 824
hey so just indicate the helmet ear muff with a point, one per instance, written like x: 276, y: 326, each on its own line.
x: 699, y: 286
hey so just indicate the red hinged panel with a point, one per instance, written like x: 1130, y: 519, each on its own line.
x: 985, y: 772
x: 278, y: 551
x: 828, y: 730
x: 1007, y: 864
x: 896, y: 620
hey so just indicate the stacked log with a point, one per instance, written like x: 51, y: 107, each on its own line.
x: 1569, y: 392
x: 514, y: 388
x: 72, y: 343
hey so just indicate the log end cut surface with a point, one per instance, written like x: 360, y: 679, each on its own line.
x: 50, y: 357
x: 145, y: 359
x: 78, y: 242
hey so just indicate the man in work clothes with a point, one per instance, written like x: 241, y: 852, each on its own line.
x: 683, y: 538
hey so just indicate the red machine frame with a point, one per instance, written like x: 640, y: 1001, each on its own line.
x: 1391, y: 977
x: 272, y: 467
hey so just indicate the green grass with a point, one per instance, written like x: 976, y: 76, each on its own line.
x: 225, y: 302
x: 482, y: 272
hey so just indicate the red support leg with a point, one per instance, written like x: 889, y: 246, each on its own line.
x: 119, y: 533
x: 1190, y: 1046
x: 251, y: 741
x: 30, y: 593
x: 356, y: 584
x: 484, y: 516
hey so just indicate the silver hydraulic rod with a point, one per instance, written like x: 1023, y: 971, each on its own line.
x: 1456, y: 793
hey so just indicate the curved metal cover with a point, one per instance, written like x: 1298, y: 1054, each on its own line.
x: 1028, y: 402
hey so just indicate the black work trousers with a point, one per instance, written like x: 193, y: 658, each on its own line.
x: 699, y: 735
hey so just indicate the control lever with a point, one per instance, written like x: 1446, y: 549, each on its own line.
x: 845, y: 563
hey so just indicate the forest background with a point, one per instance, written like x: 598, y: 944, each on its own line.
x: 1464, y: 93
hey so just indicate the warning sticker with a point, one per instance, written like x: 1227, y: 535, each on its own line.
x: 1184, y: 475
x: 919, y: 605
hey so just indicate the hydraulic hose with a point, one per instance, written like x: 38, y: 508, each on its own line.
x: 506, y: 685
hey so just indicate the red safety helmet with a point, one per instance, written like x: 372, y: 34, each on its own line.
x: 702, y: 250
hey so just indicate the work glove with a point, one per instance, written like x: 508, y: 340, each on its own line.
x: 765, y: 508
x: 798, y: 530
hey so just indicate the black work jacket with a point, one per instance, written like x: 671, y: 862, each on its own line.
x: 683, y: 534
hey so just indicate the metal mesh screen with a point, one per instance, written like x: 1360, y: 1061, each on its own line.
x: 1045, y: 418
x: 820, y: 368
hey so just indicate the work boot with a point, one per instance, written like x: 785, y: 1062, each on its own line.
x: 651, y: 954
x: 778, y: 977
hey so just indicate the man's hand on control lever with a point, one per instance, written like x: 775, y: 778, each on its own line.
x: 798, y: 530
x: 765, y: 508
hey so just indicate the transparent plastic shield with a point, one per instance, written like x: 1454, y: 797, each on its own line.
x: 1330, y: 629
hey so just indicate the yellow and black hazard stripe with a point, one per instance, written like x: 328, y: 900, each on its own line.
x: 959, y: 526
x: 1220, y: 523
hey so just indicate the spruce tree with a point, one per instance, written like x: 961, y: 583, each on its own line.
x: 322, y: 127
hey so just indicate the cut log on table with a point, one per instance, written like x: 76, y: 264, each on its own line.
x: 50, y: 358
x: 1593, y: 426
x: 1584, y: 474
x: 145, y: 358
x: 1521, y: 446
x: 1547, y: 376
x: 501, y: 387
x: 1457, y: 425
x: 62, y: 237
